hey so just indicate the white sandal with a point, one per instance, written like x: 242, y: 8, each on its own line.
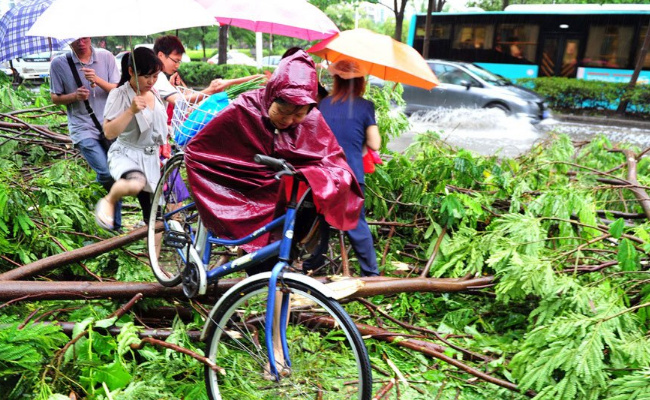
x: 102, y: 219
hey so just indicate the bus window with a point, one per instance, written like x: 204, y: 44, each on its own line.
x: 438, y: 31
x: 608, y: 46
x: 570, y: 58
x: 517, y: 41
x: 439, y: 40
x: 473, y: 36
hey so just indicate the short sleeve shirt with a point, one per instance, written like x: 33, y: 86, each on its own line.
x: 164, y: 87
x: 348, y: 121
x: 62, y: 81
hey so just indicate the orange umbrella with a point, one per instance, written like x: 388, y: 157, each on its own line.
x: 378, y: 55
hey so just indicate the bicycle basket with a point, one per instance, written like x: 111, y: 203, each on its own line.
x: 189, y: 118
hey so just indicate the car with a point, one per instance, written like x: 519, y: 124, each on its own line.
x: 234, y: 57
x: 271, y: 61
x: 118, y: 59
x: 35, y: 66
x: 468, y: 85
x: 6, y: 69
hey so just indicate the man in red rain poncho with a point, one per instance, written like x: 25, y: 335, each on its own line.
x: 235, y: 195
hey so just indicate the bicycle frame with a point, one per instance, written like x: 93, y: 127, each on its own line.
x: 203, y: 241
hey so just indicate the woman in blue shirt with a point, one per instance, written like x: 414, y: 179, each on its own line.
x: 352, y: 119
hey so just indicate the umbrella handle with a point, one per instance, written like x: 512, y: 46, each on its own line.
x: 135, y: 71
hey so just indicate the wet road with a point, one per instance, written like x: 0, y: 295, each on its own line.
x: 490, y: 132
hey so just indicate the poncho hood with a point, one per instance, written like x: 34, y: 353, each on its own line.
x: 234, y: 195
x: 295, y: 81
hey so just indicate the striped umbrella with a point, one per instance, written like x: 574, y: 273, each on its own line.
x: 13, y: 27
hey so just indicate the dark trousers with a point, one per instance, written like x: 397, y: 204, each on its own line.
x: 361, y: 241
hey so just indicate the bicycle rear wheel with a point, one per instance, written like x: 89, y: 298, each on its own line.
x: 328, y: 357
x: 172, y: 205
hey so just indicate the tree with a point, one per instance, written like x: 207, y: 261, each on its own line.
x: 223, y: 43
x: 637, y: 70
x: 398, y: 9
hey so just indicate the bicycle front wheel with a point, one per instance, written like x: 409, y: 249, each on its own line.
x: 172, y: 205
x: 328, y: 357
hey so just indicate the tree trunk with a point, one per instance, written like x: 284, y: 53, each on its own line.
x: 427, y: 30
x: 399, y: 18
x: 223, y: 44
x: 637, y: 70
x: 204, y: 31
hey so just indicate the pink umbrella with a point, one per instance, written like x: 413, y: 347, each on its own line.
x: 293, y: 18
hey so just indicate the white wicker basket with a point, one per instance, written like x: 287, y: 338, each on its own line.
x: 182, y: 128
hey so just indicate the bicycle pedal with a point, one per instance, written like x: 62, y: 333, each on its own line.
x: 176, y: 239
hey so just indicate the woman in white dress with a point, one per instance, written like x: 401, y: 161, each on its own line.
x: 136, y: 117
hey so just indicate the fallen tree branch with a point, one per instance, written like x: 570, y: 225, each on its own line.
x: 427, y: 267
x: 73, y: 256
x: 637, y: 189
x: 161, y: 334
x: 160, y: 343
x: 72, y: 290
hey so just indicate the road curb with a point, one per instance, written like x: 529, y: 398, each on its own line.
x: 602, y: 120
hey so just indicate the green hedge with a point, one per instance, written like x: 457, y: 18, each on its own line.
x: 578, y: 94
x: 199, y: 74
x: 197, y: 55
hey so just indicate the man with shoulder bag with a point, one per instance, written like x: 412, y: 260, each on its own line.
x: 80, y: 81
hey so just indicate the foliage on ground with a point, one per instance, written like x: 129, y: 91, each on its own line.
x: 566, y: 319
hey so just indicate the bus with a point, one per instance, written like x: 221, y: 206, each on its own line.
x: 592, y: 42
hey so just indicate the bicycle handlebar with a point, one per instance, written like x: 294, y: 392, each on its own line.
x: 277, y: 164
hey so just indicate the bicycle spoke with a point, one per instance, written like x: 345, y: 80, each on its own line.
x: 325, y: 350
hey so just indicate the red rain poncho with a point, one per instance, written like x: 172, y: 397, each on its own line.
x: 235, y: 195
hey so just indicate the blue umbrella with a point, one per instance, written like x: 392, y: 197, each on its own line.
x: 14, y: 25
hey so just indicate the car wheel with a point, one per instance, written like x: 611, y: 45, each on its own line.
x: 499, y: 106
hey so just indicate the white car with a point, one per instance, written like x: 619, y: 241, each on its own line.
x: 4, y: 67
x: 35, y: 66
x: 234, y: 57
x: 271, y: 61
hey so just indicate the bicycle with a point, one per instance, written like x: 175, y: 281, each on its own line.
x: 278, y: 334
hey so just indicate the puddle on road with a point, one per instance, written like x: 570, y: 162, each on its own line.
x: 485, y: 131
x: 490, y: 131
x: 577, y: 131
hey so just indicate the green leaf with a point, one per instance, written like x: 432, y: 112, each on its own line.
x: 114, y: 375
x: 616, y: 229
x: 434, y: 375
x: 105, y: 323
x: 627, y: 256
